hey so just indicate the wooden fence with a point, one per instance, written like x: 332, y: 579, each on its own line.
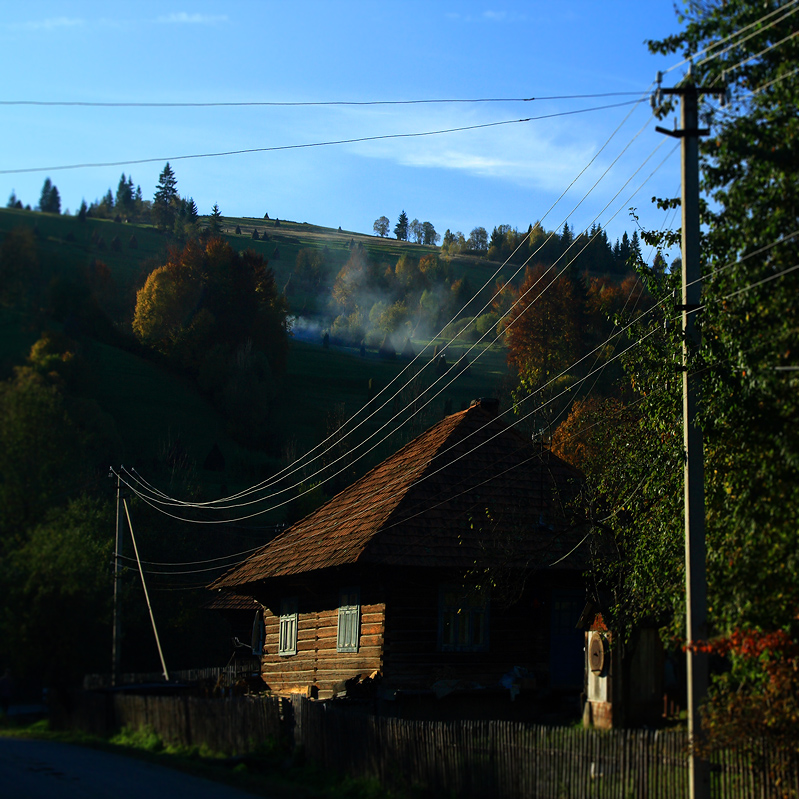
x: 510, y: 759
x: 223, y: 676
x: 455, y: 758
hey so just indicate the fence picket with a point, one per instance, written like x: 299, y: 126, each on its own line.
x: 467, y: 758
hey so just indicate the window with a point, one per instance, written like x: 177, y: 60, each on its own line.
x: 463, y: 619
x: 349, y: 620
x: 258, y: 633
x: 287, y: 641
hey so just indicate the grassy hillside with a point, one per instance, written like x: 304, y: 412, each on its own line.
x: 158, y: 412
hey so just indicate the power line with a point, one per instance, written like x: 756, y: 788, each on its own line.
x: 363, y: 454
x: 747, y: 38
x: 449, y: 498
x: 733, y: 35
x: 151, y: 503
x: 355, y: 140
x: 370, y: 498
x: 302, y: 463
x: 304, y: 103
x: 763, y: 52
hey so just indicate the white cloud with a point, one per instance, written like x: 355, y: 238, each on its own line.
x: 519, y: 154
x: 182, y: 18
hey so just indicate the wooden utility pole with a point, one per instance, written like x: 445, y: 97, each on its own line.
x: 694, y: 474
x: 117, y: 635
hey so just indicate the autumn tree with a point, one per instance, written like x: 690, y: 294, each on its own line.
x: 209, y: 295
x: 542, y: 329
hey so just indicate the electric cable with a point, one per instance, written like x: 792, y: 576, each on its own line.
x: 747, y: 38
x: 308, y: 103
x: 606, y: 419
x: 762, y: 52
x: 302, y: 463
x: 732, y: 35
x: 568, y: 389
x: 473, y: 346
x: 568, y: 264
x: 428, y: 475
x: 277, y: 148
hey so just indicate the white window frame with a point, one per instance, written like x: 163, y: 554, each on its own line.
x: 289, y: 623
x: 463, y: 616
x: 348, y: 633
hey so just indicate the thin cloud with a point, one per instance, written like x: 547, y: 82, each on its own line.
x: 489, y: 15
x: 524, y: 154
x: 50, y: 24
x: 182, y: 18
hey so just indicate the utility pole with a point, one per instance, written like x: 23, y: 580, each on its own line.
x: 117, y: 635
x: 694, y: 474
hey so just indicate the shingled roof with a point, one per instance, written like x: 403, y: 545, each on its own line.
x: 444, y: 500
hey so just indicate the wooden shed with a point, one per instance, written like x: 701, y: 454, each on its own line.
x: 452, y: 564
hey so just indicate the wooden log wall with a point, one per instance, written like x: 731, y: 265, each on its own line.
x: 518, y: 636
x: 318, y: 669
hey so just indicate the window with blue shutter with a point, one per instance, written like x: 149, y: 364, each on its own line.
x: 287, y: 639
x: 349, y: 620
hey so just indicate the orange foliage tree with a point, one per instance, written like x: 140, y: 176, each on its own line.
x: 542, y: 331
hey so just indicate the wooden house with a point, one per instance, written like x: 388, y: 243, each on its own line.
x: 450, y: 565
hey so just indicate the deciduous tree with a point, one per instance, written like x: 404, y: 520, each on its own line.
x: 381, y: 226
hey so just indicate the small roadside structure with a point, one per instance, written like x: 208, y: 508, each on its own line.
x: 625, y: 685
x: 452, y: 565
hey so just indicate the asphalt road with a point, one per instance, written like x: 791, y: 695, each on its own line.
x: 31, y: 769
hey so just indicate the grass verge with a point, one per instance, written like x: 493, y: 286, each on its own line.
x: 269, y: 770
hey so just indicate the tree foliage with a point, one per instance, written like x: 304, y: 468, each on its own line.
x: 749, y: 401
x: 207, y: 295
x: 56, y: 583
x: 542, y: 329
x: 381, y: 226
x: 50, y: 200
x: 166, y: 198
x: 401, y: 228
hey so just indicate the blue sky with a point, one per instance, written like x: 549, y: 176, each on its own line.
x: 327, y: 51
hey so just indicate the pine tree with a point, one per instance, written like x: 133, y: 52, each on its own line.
x: 166, y: 193
x: 215, y: 223
x: 401, y: 228
x: 50, y: 201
